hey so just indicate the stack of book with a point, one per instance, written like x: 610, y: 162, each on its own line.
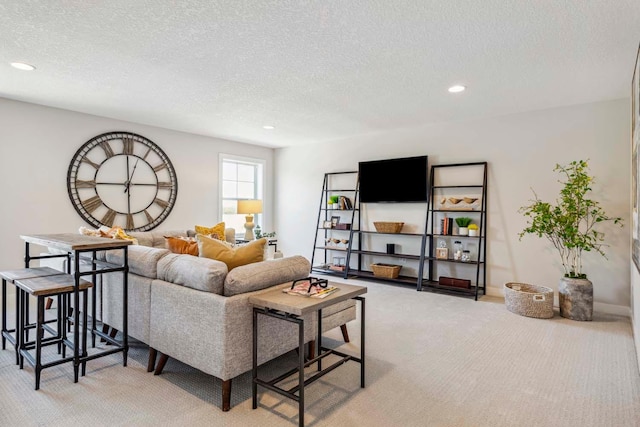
x: 446, y: 226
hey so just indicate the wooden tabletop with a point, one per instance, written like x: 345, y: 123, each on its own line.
x: 74, y: 242
x: 51, y: 284
x: 300, y: 305
x: 26, y: 273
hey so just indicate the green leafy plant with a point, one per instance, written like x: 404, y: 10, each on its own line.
x: 334, y: 199
x: 259, y: 234
x: 569, y: 225
x: 463, y: 221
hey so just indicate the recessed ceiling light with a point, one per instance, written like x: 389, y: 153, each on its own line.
x: 457, y: 89
x: 268, y: 127
x: 22, y: 66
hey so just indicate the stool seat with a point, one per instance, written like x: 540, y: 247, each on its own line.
x: 27, y: 273
x: 51, y: 285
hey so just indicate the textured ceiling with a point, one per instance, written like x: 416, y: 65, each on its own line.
x: 316, y: 70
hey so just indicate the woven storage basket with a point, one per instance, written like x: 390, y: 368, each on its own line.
x: 388, y: 227
x: 388, y: 271
x: 529, y: 300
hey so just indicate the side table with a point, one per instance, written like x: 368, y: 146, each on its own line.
x: 292, y: 308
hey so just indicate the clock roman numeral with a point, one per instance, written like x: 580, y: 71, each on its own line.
x: 107, y: 149
x: 164, y: 185
x: 160, y: 167
x: 92, y: 204
x: 86, y: 160
x: 109, y: 217
x: 130, y: 225
x: 146, y: 154
x: 127, y: 146
x: 148, y: 215
x: 85, y: 184
x: 162, y: 203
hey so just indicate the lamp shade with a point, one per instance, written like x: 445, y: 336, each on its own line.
x: 249, y: 207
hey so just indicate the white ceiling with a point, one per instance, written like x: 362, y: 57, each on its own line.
x: 316, y: 70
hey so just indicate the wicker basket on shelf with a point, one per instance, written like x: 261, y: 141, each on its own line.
x: 387, y: 271
x: 529, y: 300
x: 388, y: 227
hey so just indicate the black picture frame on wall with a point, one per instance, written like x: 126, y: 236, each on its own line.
x: 635, y: 167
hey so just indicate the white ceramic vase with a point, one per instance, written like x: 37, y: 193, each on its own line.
x: 463, y: 231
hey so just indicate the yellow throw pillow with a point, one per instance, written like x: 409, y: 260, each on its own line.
x: 233, y: 257
x: 217, y: 231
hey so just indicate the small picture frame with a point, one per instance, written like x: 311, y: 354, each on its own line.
x: 334, y: 221
x: 442, y: 253
x: 327, y: 224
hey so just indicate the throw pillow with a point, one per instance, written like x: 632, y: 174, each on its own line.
x: 233, y: 257
x: 217, y: 231
x: 179, y: 245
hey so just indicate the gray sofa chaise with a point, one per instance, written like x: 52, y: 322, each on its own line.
x: 196, y: 311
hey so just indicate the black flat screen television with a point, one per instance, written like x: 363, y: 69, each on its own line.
x: 394, y: 180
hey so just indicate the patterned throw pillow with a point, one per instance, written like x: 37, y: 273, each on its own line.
x: 217, y: 231
x: 233, y: 257
x: 182, y: 245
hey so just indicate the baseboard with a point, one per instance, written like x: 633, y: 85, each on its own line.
x: 600, y: 307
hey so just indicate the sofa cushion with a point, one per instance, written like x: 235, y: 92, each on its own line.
x: 233, y: 257
x: 202, y: 274
x: 142, y: 260
x: 217, y: 231
x: 182, y: 245
x: 253, y: 277
x: 155, y: 239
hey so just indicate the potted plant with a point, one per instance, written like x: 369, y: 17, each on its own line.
x: 473, y: 230
x: 463, y: 222
x: 333, y: 202
x: 570, y: 226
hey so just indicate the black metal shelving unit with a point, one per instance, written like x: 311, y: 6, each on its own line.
x: 479, y: 286
x: 426, y: 279
x: 320, y: 249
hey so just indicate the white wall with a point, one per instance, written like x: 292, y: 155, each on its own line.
x: 522, y: 151
x: 37, y: 144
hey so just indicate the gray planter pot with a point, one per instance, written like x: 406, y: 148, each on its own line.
x: 576, y: 299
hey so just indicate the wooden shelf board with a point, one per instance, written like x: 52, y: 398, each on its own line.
x: 394, y: 234
x: 405, y: 280
x: 454, y: 261
x: 374, y: 253
x: 331, y: 248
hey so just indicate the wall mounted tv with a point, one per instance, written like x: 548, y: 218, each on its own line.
x: 394, y: 180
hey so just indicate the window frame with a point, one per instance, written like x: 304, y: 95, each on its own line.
x: 259, y: 184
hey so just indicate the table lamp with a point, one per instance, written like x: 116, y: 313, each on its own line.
x: 249, y: 208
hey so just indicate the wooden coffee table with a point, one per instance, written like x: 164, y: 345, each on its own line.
x: 292, y: 308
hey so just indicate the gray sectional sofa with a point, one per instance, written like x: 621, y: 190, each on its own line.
x: 196, y: 311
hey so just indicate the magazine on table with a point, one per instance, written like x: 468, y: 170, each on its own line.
x: 311, y: 287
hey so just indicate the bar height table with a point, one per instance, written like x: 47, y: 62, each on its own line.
x: 74, y: 245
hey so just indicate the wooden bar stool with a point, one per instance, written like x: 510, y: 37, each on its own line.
x: 11, y: 276
x: 41, y: 288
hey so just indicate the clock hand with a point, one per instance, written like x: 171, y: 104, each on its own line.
x: 128, y: 183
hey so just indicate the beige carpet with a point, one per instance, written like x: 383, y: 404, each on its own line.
x: 433, y: 360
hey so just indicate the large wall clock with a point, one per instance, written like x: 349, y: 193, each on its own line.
x: 122, y: 179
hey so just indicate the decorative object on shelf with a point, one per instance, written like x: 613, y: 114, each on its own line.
x: 569, y: 225
x: 260, y: 234
x: 112, y: 162
x: 388, y: 271
x: 388, y: 227
x: 345, y: 203
x: 473, y: 230
x: 333, y: 202
x: 464, y: 203
x: 339, y: 263
x: 327, y: 224
x: 391, y: 248
x: 454, y: 282
x: 343, y: 226
x: 457, y: 250
x: 529, y: 300
x: 249, y: 208
x: 463, y: 222
x: 335, y: 220
x: 442, y: 253
x: 345, y: 242
x: 466, y: 256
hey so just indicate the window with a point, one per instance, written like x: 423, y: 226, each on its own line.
x: 241, y: 178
